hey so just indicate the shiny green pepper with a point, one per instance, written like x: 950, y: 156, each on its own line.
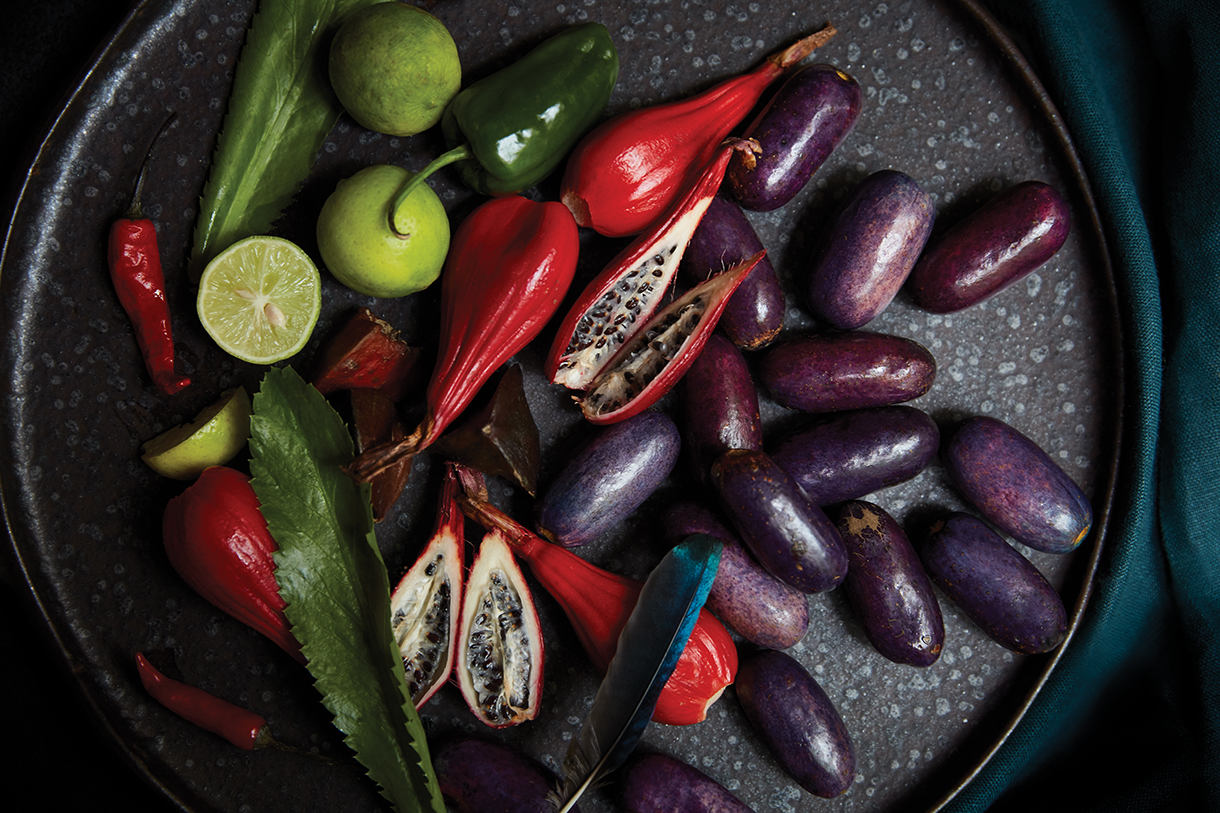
x: 511, y: 129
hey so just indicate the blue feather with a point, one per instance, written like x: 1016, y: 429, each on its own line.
x: 648, y: 650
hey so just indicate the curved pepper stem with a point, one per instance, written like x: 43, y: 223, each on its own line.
x: 459, y: 153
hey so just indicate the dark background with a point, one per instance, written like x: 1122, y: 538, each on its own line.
x: 55, y: 756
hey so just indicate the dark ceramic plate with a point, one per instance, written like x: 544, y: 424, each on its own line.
x: 947, y: 100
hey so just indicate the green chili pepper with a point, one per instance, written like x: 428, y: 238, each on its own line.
x: 511, y: 129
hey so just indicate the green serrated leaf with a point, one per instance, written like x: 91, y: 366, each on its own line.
x: 334, y: 580
x: 280, y: 111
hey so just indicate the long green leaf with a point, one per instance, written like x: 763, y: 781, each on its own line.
x: 334, y: 580
x: 280, y: 111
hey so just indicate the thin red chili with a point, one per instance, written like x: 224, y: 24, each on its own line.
x: 135, y: 271
x: 243, y: 728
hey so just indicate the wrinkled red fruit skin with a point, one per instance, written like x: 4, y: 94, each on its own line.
x: 481, y: 776
x: 216, y: 538
x: 993, y: 248
x: 754, y: 315
x: 659, y: 783
x: 628, y: 170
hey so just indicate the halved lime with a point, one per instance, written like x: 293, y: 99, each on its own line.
x: 259, y: 299
x: 215, y: 436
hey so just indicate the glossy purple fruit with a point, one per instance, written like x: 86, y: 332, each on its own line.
x: 1017, y: 486
x: 831, y: 372
x: 482, y: 776
x: 887, y: 586
x: 870, y: 249
x: 992, y: 248
x: 998, y: 588
x: 797, y: 722
x: 846, y: 455
x: 805, y: 120
x: 754, y: 314
x: 791, y: 537
x: 749, y: 600
x: 719, y: 406
x: 609, y: 478
x: 658, y: 783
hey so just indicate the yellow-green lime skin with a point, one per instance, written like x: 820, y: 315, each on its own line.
x: 214, y: 438
x: 394, y: 68
x: 361, y: 250
x: 260, y: 298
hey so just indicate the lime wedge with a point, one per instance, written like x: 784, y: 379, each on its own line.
x: 259, y: 299
x: 216, y: 435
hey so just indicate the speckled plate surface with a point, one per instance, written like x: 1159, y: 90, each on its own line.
x: 945, y: 101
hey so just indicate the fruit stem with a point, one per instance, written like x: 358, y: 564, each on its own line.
x: 459, y: 153
x: 802, y: 48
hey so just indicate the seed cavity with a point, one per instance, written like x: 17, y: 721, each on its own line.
x: 497, y: 651
x: 420, y: 621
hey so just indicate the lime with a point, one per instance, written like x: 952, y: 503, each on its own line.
x: 212, y: 439
x: 394, y: 68
x: 361, y: 250
x: 259, y: 299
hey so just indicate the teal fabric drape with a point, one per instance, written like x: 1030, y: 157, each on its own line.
x: 1131, y: 718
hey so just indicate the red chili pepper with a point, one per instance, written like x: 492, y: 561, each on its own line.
x: 625, y: 173
x: 509, y: 266
x: 243, y: 728
x: 217, y: 539
x: 135, y: 271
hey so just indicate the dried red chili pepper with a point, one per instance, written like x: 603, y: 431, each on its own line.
x: 509, y: 266
x: 135, y: 272
x: 217, y: 539
x: 243, y: 728
x: 625, y: 173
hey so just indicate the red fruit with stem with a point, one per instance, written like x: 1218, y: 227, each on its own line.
x: 625, y: 173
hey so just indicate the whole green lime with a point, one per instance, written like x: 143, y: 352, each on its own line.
x: 360, y: 248
x: 394, y: 68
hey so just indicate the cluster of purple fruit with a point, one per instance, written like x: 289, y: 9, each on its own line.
x: 794, y: 521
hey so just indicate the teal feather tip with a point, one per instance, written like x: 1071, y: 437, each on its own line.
x: 648, y: 649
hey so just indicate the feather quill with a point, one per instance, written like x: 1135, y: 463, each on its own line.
x: 648, y: 649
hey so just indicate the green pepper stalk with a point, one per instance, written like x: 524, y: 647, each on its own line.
x: 511, y: 129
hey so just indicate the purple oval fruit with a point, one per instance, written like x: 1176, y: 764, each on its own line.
x: 1017, y: 486
x: 888, y: 588
x: 791, y: 537
x: 609, y: 478
x: 831, y: 372
x: 754, y: 314
x: 797, y: 722
x: 870, y: 249
x: 658, y: 783
x: 749, y: 600
x: 719, y: 406
x: 481, y: 776
x: 807, y: 118
x: 998, y: 588
x: 847, y: 455
x: 992, y: 248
